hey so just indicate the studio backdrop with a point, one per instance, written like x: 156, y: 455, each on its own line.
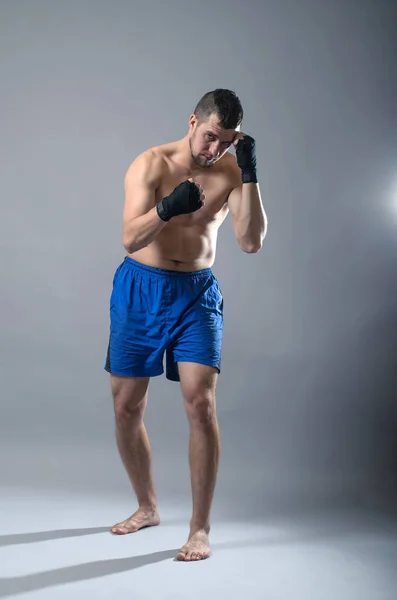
x: 308, y: 384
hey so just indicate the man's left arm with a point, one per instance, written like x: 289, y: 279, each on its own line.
x: 245, y: 203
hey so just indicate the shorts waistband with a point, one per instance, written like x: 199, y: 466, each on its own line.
x: 165, y: 272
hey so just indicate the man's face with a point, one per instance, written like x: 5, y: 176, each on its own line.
x: 209, y: 141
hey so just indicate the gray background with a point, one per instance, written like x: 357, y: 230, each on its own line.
x: 307, y: 394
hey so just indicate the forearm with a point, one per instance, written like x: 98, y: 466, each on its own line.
x: 141, y: 231
x: 252, y: 220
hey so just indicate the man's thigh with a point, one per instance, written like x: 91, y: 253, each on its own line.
x: 198, y: 381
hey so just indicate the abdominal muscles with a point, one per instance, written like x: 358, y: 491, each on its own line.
x: 181, y: 246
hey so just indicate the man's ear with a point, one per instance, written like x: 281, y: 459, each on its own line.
x: 192, y: 121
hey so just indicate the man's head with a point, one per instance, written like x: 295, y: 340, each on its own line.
x: 213, y: 126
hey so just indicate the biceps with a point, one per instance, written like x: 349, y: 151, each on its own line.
x: 140, y: 186
x: 139, y: 199
x: 234, y: 202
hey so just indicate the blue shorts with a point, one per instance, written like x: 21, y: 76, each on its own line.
x: 155, y: 312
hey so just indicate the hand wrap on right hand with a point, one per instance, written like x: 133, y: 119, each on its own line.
x: 183, y: 200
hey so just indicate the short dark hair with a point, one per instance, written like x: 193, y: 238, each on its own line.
x: 224, y: 103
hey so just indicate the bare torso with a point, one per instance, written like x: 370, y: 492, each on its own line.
x: 188, y: 242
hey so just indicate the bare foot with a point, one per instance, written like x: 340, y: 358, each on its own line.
x: 196, y: 548
x: 140, y: 519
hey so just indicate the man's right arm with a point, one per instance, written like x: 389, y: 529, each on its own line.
x: 141, y: 222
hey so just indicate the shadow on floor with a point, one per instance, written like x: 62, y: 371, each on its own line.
x: 39, y: 581
x: 14, y: 539
x: 11, y: 586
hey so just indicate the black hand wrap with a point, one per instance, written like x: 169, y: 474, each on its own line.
x: 183, y: 200
x: 246, y: 159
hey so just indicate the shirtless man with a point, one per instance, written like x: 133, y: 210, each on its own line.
x: 166, y: 299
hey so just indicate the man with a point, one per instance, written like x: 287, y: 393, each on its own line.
x: 166, y: 299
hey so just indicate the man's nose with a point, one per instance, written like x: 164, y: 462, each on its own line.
x: 215, y: 148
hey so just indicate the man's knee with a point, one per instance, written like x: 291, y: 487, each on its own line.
x: 200, y: 406
x: 198, y: 384
x: 129, y: 398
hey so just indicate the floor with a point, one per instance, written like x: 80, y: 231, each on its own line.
x: 58, y: 546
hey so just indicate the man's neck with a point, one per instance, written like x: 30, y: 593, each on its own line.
x: 184, y: 157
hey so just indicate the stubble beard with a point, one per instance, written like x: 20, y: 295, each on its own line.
x: 199, y: 160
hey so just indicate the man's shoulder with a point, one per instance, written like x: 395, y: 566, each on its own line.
x: 150, y: 163
x: 228, y: 165
x: 153, y: 155
x: 229, y: 160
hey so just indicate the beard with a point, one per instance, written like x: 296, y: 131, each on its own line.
x: 199, y: 159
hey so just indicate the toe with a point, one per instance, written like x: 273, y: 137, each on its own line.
x: 119, y: 529
x: 193, y: 552
x: 125, y: 528
x: 130, y: 527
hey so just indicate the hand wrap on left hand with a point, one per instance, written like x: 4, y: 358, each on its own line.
x: 246, y: 159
